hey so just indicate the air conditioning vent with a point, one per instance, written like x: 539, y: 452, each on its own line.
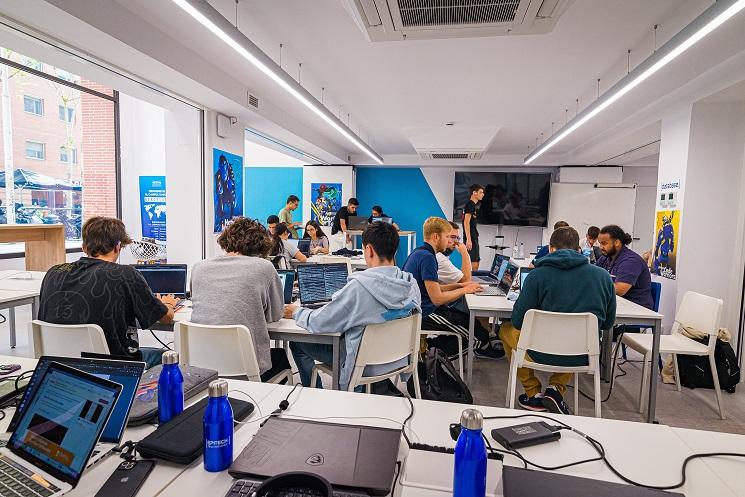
x: 253, y: 101
x: 450, y: 154
x: 449, y: 13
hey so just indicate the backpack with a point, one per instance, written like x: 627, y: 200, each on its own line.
x: 695, y: 371
x: 439, y: 380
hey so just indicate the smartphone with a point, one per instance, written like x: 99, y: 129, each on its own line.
x: 127, y: 479
x: 8, y: 368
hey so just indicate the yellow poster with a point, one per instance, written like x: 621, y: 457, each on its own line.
x: 665, y: 252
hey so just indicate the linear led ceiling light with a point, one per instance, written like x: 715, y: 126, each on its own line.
x: 704, y: 24
x: 211, y: 19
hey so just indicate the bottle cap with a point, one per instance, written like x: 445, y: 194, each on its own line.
x: 170, y: 357
x: 471, y: 419
x: 218, y: 388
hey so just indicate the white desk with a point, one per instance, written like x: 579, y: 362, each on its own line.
x: 357, y: 262
x: 410, y: 238
x: 10, y: 299
x: 627, y: 312
x: 17, y: 281
x: 649, y: 453
x: 731, y: 470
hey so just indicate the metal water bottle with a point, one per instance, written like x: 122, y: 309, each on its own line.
x: 218, y: 428
x: 469, y: 477
x: 170, y: 388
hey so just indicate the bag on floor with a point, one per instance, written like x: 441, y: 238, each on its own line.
x: 695, y: 371
x: 439, y: 380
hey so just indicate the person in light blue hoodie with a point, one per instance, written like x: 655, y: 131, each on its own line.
x: 380, y: 293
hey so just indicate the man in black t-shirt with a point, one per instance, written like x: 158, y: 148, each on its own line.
x: 340, y: 225
x: 470, y: 221
x: 97, y: 290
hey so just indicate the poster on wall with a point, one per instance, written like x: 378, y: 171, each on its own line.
x: 665, y: 252
x: 228, y: 187
x: 153, y: 207
x: 325, y: 202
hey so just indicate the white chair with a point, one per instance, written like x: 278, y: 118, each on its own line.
x: 564, y: 334
x: 698, y: 312
x: 227, y: 349
x: 67, y: 340
x: 382, y: 344
x: 336, y: 259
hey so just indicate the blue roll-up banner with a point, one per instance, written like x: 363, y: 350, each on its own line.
x: 153, y: 207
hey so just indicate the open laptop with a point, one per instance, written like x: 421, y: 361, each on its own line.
x: 358, y: 459
x: 164, y: 278
x: 126, y: 373
x: 524, y: 272
x: 382, y: 219
x: 56, y: 433
x: 288, y: 282
x: 319, y: 282
x: 505, y: 283
x: 302, y: 244
x: 494, y: 277
x: 357, y: 223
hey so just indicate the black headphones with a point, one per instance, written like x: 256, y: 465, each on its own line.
x: 294, y: 479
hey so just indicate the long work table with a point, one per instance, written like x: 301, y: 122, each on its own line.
x: 18, y: 288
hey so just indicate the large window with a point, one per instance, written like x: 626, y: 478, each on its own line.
x: 64, y: 167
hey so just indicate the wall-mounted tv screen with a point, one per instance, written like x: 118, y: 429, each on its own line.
x: 513, y: 199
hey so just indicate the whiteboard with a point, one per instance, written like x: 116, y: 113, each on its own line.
x: 583, y: 205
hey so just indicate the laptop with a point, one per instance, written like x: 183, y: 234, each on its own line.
x: 319, y: 282
x: 126, y: 373
x: 56, y: 433
x: 505, y: 283
x: 164, y: 279
x: 382, y: 219
x: 524, y: 272
x: 495, y: 275
x: 497, y: 262
x: 357, y: 223
x: 288, y: 282
x: 359, y: 458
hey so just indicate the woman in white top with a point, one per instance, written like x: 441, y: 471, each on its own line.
x: 285, y: 248
x: 319, y: 242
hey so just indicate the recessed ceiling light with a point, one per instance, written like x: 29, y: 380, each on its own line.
x: 450, y: 124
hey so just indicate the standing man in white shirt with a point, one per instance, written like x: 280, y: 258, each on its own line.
x: 447, y: 272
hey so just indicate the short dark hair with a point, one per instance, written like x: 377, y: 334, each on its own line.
x: 454, y: 225
x: 384, y: 239
x: 247, y: 237
x: 593, y: 231
x: 273, y: 219
x: 292, y: 199
x: 377, y: 208
x: 474, y: 188
x: 353, y: 201
x: 102, y: 234
x: 560, y: 224
x: 564, y: 237
x: 616, y: 233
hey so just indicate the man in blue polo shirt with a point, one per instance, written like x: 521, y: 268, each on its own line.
x: 630, y: 273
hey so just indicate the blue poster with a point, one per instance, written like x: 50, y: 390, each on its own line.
x: 325, y: 202
x: 228, y: 187
x: 153, y: 207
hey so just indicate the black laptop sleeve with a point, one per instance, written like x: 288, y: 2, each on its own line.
x: 181, y: 439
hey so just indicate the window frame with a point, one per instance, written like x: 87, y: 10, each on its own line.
x: 34, y: 99
x: 70, y: 114
x: 71, y: 152
x: 43, y: 150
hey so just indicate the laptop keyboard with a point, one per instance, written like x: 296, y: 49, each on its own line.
x: 244, y: 488
x: 492, y: 290
x: 16, y: 481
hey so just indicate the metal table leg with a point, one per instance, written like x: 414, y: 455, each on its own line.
x: 652, y: 402
x: 469, y: 352
x: 336, y: 362
x: 12, y: 325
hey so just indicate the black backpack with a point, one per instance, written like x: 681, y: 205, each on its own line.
x: 695, y: 371
x: 439, y: 380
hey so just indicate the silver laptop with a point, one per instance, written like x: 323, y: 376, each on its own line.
x: 357, y: 223
x: 505, y: 283
x: 126, y: 373
x: 56, y: 433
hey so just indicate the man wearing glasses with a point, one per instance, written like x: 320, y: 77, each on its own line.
x: 447, y: 272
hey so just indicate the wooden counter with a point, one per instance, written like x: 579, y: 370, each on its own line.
x: 45, y: 243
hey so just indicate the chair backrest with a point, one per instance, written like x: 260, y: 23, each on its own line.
x: 700, y: 312
x: 335, y: 259
x: 561, y: 333
x: 227, y: 349
x: 389, y: 341
x: 67, y: 340
x: 656, y: 294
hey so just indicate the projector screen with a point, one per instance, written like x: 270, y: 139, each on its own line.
x: 512, y: 199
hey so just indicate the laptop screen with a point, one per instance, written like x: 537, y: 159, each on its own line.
x: 497, y: 263
x: 164, y: 278
x: 303, y: 245
x: 524, y: 272
x: 288, y: 281
x: 126, y: 373
x: 508, y: 278
x: 318, y: 282
x: 383, y: 219
x: 63, y: 420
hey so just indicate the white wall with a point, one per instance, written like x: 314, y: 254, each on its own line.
x: 590, y: 174
x: 645, y: 179
x: 259, y: 155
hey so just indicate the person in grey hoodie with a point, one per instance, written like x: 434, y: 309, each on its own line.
x: 380, y: 293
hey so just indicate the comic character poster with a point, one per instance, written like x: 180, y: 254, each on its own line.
x: 665, y: 252
x: 153, y: 207
x: 228, y: 187
x: 325, y: 202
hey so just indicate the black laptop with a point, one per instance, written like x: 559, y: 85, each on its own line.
x: 319, y: 282
x: 505, y: 283
x: 164, y: 279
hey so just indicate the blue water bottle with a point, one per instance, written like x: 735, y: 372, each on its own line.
x: 170, y: 388
x: 469, y: 476
x: 218, y: 428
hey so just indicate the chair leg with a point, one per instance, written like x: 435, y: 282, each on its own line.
x: 643, y: 385
x: 598, y: 400
x: 511, y: 386
x: 368, y: 388
x: 677, y: 372
x: 314, y: 377
x: 417, y: 387
x: 576, y: 393
x: 290, y: 379
x: 509, y: 382
x: 717, y: 388
x: 460, y: 357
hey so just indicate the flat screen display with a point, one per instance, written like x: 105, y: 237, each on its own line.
x: 512, y: 199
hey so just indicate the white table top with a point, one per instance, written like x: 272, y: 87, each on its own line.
x: 11, y: 295
x: 356, y: 261
x: 731, y: 470
x: 13, y: 279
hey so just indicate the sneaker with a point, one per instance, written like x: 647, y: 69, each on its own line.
x: 489, y: 353
x: 554, y: 402
x: 534, y: 404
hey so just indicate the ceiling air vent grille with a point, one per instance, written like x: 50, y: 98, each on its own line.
x: 450, y: 154
x: 419, y: 13
x: 253, y: 101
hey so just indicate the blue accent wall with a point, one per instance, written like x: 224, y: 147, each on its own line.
x: 267, y: 188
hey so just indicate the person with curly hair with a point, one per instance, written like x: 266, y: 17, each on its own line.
x: 242, y: 287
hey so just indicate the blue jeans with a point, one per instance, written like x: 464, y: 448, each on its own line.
x: 151, y: 357
x: 306, y: 355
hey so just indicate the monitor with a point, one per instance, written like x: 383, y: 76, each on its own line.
x: 288, y: 282
x: 524, y: 272
x: 62, y: 421
x: 319, y: 282
x: 164, y: 278
x: 508, y: 277
x: 383, y: 219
